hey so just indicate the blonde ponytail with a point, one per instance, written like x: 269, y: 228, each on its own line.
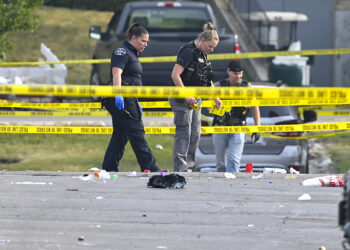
x: 209, y: 32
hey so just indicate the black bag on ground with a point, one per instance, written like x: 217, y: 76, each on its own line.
x: 167, y: 181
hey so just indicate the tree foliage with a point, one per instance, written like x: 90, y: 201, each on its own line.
x: 16, y: 15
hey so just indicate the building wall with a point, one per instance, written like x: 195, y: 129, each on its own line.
x: 316, y: 33
x: 342, y: 40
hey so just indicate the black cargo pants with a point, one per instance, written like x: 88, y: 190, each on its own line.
x: 127, y: 126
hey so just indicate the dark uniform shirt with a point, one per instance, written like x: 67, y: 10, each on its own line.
x: 197, y: 70
x: 126, y: 58
x: 237, y: 115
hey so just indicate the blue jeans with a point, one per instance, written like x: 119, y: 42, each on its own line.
x: 234, y: 143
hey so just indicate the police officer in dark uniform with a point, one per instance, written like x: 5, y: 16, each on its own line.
x: 191, y: 69
x: 126, y: 113
x: 235, y: 117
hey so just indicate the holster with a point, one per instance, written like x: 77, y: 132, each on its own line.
x: 227, y: 120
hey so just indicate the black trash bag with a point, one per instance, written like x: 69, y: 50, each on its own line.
x: 167, y: 181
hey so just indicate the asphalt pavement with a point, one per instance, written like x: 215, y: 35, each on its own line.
x: 56, y: 210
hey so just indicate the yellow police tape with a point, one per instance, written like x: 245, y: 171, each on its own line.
x: 165, y: 104
x: 333, y: 113
x: 53, y: 113
x: 317, y: 95
x: 146, y: 113
x: 92, y: 107
x: 320, y: 110
x: 171, y: 130
x: 305, y: 137
x: 323, y: 107
x: 222, y: 56
x: 88, y: 105
x: 77, y: 113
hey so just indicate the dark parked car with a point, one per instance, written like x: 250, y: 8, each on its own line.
x: 267, y: 152
x: 170, y: 24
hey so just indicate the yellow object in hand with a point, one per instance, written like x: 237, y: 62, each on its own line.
x: 195, y: 106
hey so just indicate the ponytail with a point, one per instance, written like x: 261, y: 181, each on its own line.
x: 209, y: 32
x: 135, y: 30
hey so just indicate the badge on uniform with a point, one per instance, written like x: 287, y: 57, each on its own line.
x: 120, y: 52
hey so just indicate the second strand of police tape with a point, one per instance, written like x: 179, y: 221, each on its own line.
x: 334, y: 95
x: 171, y: 130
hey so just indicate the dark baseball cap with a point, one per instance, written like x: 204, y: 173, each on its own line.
x: 235, y: 66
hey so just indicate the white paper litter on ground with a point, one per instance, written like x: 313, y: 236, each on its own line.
x: 229, y: 175
x: 304, y: 197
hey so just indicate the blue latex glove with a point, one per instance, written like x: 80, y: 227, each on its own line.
x: 140, y: 108
x: 119, y: 102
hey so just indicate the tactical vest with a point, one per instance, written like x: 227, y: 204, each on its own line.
x: 237, y: 115
x: 199, y: 72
